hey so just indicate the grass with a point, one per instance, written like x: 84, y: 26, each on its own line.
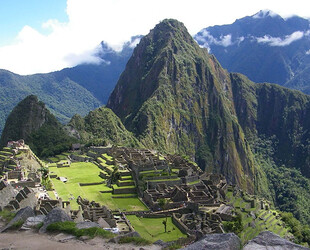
x: 152, y: 229
x: 124, y: 187
x: 194, y: 182
x: 84, y: 172
x: 51, y: 195
x: 109, y: 158
x: 7, y: 215
x: 70, y: 228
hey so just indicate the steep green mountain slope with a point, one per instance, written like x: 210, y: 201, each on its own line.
x: 271, y: 111
x: 31, y: 120
x: 175, y: 97
x: 101, y: 126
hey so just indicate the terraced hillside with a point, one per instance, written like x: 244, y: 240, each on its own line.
x: 257, y: 216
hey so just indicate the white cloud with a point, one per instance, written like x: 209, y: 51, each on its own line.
x: 206, y: 39
x: 116, y: 21
x: 308, y: 52
x: 277, y: 41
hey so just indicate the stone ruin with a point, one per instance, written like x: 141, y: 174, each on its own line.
x: 13, y: 200
x: 92, y: 211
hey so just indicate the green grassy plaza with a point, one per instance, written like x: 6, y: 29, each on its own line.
x: 152, y: 228
x: 87, y: 172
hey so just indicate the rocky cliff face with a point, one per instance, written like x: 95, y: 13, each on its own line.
x: 175, y: 97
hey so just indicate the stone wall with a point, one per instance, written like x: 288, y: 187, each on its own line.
x: 100, y: 150
x: 91, y: 183
x: 7, y: 193
x: 180, y: 225
x: 24, y: 184
x: 124, y: 190
x: 168, y: 182
x: 191, y: 178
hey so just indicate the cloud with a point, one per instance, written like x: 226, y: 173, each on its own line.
x: 115, y: 22
x: 277, y: 41
x: 205, y: 39
x: 308, y: 52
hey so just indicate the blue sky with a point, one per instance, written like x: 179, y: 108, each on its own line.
x: 15, y: 14
x: 39, y: 36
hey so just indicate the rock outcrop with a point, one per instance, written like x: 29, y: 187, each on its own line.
x: 21, y: 216
x: 270, y: 241
x: 56, y: 215
x: 228, y: 241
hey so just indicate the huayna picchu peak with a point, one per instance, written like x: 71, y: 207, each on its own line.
x: 175, y: 97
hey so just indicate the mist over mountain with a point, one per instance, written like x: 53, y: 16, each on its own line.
x: 265, y: 47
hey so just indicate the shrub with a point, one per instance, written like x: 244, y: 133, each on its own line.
x: 70, y: 228
x: 234, y: 226
x: 17, y: 224
x: 7, y: 215
x: 66, y: 227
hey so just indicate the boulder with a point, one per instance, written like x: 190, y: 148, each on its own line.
x: 21, y: 216
x: 56, y: 215
x: 33, y: 222
x: 268, y: 240
x: 228, y: 241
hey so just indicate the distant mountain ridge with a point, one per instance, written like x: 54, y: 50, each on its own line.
x: 70, y: 91
x: 265, y: 47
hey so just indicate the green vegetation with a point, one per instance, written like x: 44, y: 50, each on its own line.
x: 287, y: 187
x: 136, y: 240
x: 63, y: 96
x: 234, y: 226
x: 31, y: 120
x: 156, y: 230
x: 300, y: 232
x: 250, y: 221
x: 87, y: 172
x: 17, y: 224
x: 7, y: 215
x: 70, y: 228
x: 100, y: 127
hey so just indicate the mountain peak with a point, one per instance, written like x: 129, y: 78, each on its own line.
x: 265, y: 13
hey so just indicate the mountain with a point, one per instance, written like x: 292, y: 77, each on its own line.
x: 63, y: 96
x: 175, y: 97
x: 70, y: 91
x: 265, y: 47
x: 32, y: 121
x: 101, y: 126
x: 101, y: 79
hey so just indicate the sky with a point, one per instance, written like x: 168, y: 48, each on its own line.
x: 40, y: 36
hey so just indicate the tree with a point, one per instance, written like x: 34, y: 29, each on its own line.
x: 163, y: 204
x: 114, y: 176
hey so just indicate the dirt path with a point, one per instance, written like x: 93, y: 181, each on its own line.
x: 30, y: 240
